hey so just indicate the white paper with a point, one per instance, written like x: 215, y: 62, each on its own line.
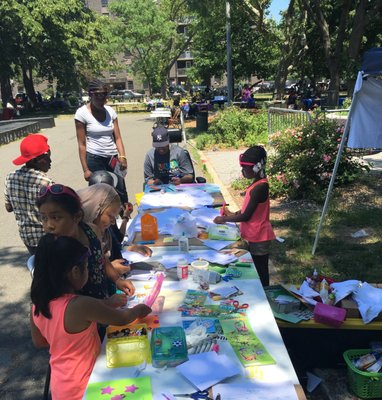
x: 213, y: 256
x: 206, y: 369
x: 170, y: 260
x: 369, y: 300
x: 217, y: 244
x: 189, y: 199
x: 134, y: 257
x: 250, y: 389
x: 313, y: 382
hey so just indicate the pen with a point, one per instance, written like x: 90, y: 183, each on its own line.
x: 146, y: 242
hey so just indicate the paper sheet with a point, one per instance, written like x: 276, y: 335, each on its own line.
x: 191, y: 199
x: 217, y: 244
x: 247, y: 389
x: 134, y: 257
x: 206, y: 369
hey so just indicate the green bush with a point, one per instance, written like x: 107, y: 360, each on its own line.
x: 235, y: 127
x: 303, y: 158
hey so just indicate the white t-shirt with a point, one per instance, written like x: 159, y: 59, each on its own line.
x: 99, y: 135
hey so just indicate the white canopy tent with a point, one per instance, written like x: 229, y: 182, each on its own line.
x: 364, y: 122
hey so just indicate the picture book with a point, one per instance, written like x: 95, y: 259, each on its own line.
x: 245, y: 343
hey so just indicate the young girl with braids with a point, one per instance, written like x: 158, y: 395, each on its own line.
x: 255, y: 226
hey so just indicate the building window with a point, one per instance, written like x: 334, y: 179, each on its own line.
x: 104, y: 3
x: 130, y: 85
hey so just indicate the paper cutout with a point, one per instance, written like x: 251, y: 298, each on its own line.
x: 245, y: 343
x: 137, y: 389
x: 131, y: 389
x: 107, y: 390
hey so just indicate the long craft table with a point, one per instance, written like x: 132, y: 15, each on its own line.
x: 261, y: 320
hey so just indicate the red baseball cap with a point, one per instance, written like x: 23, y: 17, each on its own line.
x: 32, y: 146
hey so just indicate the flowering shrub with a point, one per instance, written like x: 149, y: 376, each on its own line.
x: 235, y: 127
x: 302, y: 159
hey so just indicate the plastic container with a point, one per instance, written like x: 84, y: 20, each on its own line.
x: 127, y: 351
x: 329, y: 315
x: 182, y: 269
x: 198, y: 265
x: 149, y: 227
x: 366, y: 385
x: 168, y: 346
x: 183, y: 244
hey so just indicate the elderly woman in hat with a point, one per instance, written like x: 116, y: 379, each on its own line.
x: 99, y: 138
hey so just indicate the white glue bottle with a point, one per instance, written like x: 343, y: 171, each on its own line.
x: 324, y: 292
x: 183, y: 244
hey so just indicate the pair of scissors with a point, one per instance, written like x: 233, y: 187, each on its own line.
x: 238, y: 307
x: 199, y: 395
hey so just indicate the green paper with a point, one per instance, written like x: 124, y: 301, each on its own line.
x: 121, y: 387
x: 245, y: 343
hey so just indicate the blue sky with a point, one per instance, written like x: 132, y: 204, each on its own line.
x: 276, y: 7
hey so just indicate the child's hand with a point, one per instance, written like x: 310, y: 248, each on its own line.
x: 219, y: 220
x: 141, y: 249
x: 116, y: 301
x: 126, y: 286
x: 141, y: 310
x: 120, y: 266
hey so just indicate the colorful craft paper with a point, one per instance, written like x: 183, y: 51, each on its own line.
x: 132, y: 389
x: 244, y: 342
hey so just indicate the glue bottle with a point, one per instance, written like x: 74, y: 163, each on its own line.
x: 324, y: 292
x: 183, y: 244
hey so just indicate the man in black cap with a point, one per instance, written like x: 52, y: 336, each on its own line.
x: 165, y: 164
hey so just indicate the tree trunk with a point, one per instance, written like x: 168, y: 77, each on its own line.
x: 6, y: 89
x: 28, y: 84
x: 334, y: 85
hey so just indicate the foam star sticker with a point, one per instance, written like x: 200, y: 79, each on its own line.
x: 107, y: 390
x: 118, y: 397
x: 131, y: 388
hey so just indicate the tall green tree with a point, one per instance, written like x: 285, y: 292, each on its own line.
x: 53, y: 39
x: 254, y: 40
x: 149, y: 30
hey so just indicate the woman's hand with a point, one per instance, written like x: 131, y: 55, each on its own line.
x: 120, y: 266
x: 122, y: 160
x: 116, y: 301
x: 219, y: 220
x: 125, y: 286
x: 141, y: 249
x: 87, y: 174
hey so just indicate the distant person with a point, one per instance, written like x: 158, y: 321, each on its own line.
x: 99, y: 139
x: 164, y: 164
x: 255, y: 226
x: 245, y: 93
x: 65, y: 321
x: 23, y: 186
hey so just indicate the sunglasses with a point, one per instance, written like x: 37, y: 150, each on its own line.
x: 244, y: 162
x: 57, y: 188
x: 100, y: 95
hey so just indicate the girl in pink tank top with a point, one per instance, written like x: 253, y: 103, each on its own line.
x: 66, y: 322
x: 255, y: 226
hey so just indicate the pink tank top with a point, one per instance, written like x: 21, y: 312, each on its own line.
x: 72, y: 355
x: 257, y: 228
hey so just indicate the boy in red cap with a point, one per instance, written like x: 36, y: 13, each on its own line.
x: 22, y: 188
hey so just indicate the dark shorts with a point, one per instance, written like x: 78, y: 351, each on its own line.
x: 259, y: 248
x: 98, y: 163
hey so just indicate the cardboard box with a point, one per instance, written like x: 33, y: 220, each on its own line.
x: 352, y: 310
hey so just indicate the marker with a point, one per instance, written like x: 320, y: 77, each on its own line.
x: 222, y: 210
x: 147, y: 242
x: 217, y: 205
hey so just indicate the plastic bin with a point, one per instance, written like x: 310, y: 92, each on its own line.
x: 202, y: 121
x: 126, y: 351
x: 366, y: 385
x: 168, y: 346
